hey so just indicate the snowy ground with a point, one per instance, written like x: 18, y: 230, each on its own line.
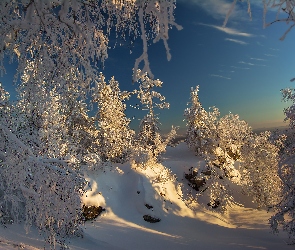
x: 124, y: 191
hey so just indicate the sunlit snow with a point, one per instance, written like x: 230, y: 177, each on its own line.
x: 124, y: 191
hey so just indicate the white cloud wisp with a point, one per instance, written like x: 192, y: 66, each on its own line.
x: 235, y: 41
x: 230, y: 31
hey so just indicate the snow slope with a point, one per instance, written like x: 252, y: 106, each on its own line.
x: 124, y: 191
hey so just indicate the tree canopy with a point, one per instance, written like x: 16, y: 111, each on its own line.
x: 57, y: 37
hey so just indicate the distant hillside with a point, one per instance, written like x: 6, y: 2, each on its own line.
x: 259, y: 130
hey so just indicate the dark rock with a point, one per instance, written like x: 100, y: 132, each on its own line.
x: 197, y: 184
x: 91, y: 212
x: 148, y: 206
x: 234, y: 155
x: 194, y: 182
x: 151, y: 219
x: 200, y: 183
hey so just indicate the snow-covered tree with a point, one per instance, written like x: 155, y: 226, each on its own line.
x: 232, y: 134
x: 201, y: 125
x: 259, y: 169
x: 289, y: 96
x: 35, y: 189
x: 40, y: 191
x: 285, y: 209
x: 54, y: 123
x: 149, y: 143
x: 42, y: 142
x: 5, y: 107
x: 38, y: 113
x: 222, y: 141
x: 115, y: 135
x: 59, y: 47
x: 218, y: 141
x: 4, y: 98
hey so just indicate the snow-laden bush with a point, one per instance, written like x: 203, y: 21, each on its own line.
x: 285, y: 209
x: 149, y: 144
x: 259, y: 170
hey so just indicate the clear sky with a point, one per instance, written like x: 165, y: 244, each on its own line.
x: 240, y: 69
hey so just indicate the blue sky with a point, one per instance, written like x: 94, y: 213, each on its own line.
x: 240, y: 69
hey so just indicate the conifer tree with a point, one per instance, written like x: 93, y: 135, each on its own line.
x: 115, y: 135
x: 201, y: 125
x: 149, y: 143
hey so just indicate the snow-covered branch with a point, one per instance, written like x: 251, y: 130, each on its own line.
x: 285, y: 13
x: 75, y: 34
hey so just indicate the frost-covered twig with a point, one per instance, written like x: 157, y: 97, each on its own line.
x: 281, y: 6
